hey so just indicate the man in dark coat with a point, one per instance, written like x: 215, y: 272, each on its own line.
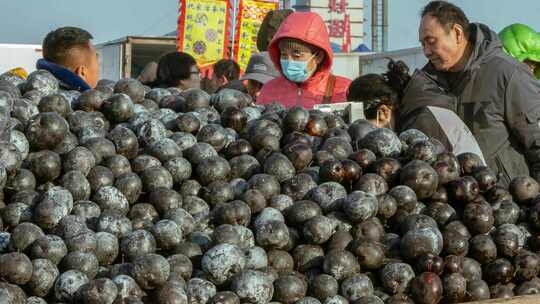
x: 496, y: 96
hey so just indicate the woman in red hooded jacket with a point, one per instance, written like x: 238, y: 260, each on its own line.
x: 301, y: 52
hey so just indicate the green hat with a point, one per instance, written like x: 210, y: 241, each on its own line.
x: 521, y: 42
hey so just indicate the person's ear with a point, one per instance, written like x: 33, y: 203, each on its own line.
x: 459, y: 33
x: 183, y: 84
x: 223, y: 80
x: 319, y: 57
x: 81, y: 71
x: 385, y: 115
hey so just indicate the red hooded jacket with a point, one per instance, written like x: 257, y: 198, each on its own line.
x: 310, y: 28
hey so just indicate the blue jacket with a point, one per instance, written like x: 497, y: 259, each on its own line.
x: 67, y: 79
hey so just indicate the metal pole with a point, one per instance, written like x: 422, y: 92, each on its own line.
x: 374, y: 23
x: 385, y: 25
x: 233, y: 32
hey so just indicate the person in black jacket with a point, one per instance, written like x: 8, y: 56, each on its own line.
x: 381, y: 96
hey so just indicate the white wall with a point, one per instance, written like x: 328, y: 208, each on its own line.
x: 377, y: 63
x: 19, y: 55
x: 110, y: 61
x: 346, y: 65
x: 352, y: 65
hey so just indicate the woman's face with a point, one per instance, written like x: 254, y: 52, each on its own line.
x: 312, y: 59
x: 194, y: 80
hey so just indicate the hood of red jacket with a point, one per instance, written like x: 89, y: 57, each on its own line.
x: 308, y: 27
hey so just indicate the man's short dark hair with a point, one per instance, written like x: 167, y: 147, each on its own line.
x: 448, y: 15
x: 58, y: 44
x: 173, y: 67
x: 228, y: 68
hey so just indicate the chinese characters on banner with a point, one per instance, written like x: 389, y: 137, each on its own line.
x: 340, y: 28
x: 249, y: 18
x: 203, y: 30
x: 346, y: 47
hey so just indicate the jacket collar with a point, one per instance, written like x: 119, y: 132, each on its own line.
x: 67, y: 78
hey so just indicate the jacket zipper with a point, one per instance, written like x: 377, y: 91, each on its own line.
x: 502, y: 170
x: 298, y: 95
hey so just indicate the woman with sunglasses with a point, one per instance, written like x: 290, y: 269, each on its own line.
x: 177, y: 69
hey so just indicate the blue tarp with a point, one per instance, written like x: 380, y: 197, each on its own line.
x: 336, y: 48
x: 359, y: 49
x: 362, y: 48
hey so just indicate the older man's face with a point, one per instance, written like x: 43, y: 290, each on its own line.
x: 443, y: 49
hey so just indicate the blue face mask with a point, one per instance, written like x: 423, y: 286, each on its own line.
x: 295, y: 71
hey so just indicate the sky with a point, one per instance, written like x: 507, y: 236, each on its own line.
x: 28, y: 21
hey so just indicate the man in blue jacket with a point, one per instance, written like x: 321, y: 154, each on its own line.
x: 69, y: 55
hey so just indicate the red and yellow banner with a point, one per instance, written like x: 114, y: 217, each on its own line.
x: 250, y: 16
x: 203, y: 30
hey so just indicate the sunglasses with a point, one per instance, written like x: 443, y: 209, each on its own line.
x: 373, y: 102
